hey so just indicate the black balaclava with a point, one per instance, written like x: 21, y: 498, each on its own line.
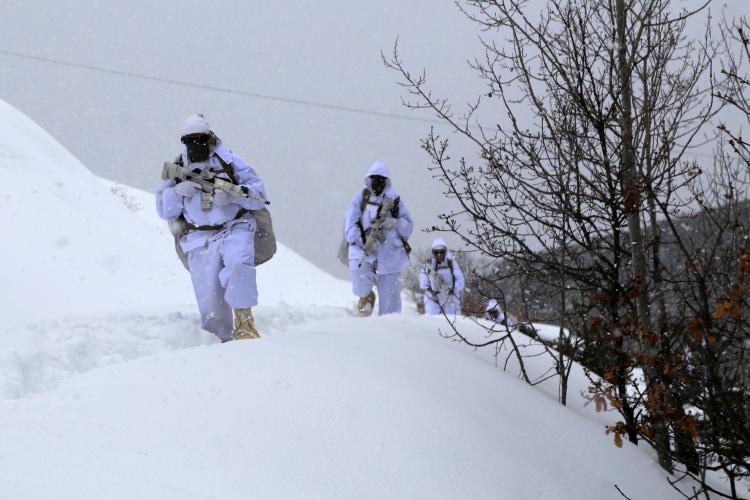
x: 439, y: 254
x: 197, y: 146
x: 377, y: 183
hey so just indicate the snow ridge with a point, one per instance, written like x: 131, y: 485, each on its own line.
x: 37, y: 358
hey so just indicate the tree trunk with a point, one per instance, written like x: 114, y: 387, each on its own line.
x: 632, y: 197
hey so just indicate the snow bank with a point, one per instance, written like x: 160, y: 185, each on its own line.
x: 37, y: 358
x: 70, y: 246
x: 343, y: 408
x: 100, y: 403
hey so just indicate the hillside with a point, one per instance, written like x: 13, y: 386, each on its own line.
x: 119, y: 394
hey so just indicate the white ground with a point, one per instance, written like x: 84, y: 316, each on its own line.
x: 109, y: 389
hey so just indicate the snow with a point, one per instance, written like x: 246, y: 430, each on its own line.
x: 287, y: 267
x: 336, y: 409
x: 71, y: 245
x: 550, y: 333
x: 109, y: 389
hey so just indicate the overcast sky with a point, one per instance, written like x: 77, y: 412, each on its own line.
x: 277, y: 61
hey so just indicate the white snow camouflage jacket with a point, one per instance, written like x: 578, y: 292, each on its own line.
x: 390, y: 255
x: 171, y: 205
x: 453, y: 280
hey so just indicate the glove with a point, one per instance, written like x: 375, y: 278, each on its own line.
x: 187, y: 188
x: 221, y: 198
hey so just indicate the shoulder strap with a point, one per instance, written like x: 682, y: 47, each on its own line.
x: 365, y: 199
x: 362, y: 205
x: 453, y: 276
x: 226, y: 168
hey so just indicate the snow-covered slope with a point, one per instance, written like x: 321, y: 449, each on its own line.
x: 76, y: 246
x: 69, y: 246
x: 73, y: 243
x: 98, y: 402
x: 345, y: 408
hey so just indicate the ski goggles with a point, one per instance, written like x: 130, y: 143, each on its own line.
x: 195, y: 139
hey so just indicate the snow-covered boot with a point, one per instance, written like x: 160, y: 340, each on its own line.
x: 244, y: 325
x: 366, y: 304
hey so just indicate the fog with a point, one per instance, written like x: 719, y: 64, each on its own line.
x: 272, y: 79
x: 312, y: 158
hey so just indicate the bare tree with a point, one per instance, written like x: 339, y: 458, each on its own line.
x: 736, y: 39
x: 602, y: 101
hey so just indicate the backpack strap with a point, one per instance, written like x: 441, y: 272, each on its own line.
x: 453, y: 277
x: 226, y: 168
x: 362, y: 205
x: 365, y: 199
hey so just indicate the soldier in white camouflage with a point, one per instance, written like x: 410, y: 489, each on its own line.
x: 379, y: 215
x: 219, y: 241
x: 442, y: 280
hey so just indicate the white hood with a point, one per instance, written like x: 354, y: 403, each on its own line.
x: 380, y: 168
x: 195, y: 124
x: 440, y: 243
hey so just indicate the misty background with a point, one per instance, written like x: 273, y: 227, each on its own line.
x: 291, y: 56
x: 297, y: 88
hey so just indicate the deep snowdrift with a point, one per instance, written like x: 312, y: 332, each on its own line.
x: 346, y: 408
x: 100, y: 403
x: 70, y: 246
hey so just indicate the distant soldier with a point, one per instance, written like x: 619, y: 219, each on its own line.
x: 219, y: 231
x: 494, y: 313
x: 376, y: 230
x: 442, y: 280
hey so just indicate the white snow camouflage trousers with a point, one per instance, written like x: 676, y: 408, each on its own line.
x: 223, y: 276
x: 389, y: 285
x: 439, y: 303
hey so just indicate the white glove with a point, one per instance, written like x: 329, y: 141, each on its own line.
x: 222, y: 198
x: 187, y: 188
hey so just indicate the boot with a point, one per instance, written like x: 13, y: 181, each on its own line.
x: 366, y: 304
x: 244, y: 325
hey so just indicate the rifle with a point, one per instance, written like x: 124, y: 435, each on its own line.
x: 440, y: 284
x: 376, y: 235
x: 209, y: 183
